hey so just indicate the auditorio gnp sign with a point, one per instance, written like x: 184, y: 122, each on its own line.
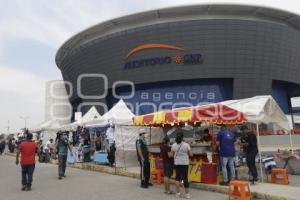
x: 181, y: 58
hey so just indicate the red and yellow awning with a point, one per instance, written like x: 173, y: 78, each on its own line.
x: 212, y: 113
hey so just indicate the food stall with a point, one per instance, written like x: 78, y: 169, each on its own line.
x: 204, y: 163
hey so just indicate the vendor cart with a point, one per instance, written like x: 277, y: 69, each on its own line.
x: 204, y: 164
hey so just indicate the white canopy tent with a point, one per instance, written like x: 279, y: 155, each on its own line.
x: 261, y: 109
x: 118, y: 114
x: 48, y: 129
x: 51, y: 125
x: 89, y: 117
x: 125, y: 133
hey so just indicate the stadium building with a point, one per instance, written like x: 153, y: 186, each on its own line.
x: 184, y: 56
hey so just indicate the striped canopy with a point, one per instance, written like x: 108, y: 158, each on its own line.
x: 211, y: 113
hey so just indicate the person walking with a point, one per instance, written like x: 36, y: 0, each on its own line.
x: 181, y: 151
x: 27, y: 149
x: 2, y: 144
x: 11, y: 145
x: 62, y: 148
x: 47, y: 150
x: 168, y: 164
x: 226, y: 141
x: 52, y: 148
x: 251, y: 150
x: 41, y: 150
x: 143, y: 158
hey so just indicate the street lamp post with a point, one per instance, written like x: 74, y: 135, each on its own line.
x: 25, y: 121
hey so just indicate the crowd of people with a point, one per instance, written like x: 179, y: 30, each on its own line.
x: 9, y: 143
x: 66, y: 147
x: 81, y: 145
x: 177, y: 156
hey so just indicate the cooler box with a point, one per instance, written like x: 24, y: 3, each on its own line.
x: 209, y: 173
x: 100, y: 158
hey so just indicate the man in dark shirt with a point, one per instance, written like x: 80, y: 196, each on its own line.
x: 62, y: 151
x: 2, y: 144
x: 27, y: 149
x: 143, y: 158
x: 206, y: 136
x: 251, y: 150
x: 168, y: 164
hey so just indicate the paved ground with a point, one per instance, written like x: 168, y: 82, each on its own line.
x: 286, y: 191
x: 79, y: 185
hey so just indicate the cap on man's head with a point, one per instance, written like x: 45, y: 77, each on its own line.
x: 142, y: 131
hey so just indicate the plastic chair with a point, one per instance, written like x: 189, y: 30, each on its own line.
x: 269, y: 164
x: 283, y: 179
x: 239, y: 190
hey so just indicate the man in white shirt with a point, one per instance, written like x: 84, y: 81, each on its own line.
x: 110, y: 137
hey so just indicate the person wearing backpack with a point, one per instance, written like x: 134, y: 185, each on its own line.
x: 62, y: 151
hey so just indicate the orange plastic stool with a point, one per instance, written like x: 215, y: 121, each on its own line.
x: 156, y: 176
x: 239, y: 190
x: 284, y: 179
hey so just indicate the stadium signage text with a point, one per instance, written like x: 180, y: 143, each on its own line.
x: 163, y: 60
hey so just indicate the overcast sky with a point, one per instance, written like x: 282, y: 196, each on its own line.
x: 31, y: 31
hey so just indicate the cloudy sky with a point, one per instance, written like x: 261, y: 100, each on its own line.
x: 31, y: 31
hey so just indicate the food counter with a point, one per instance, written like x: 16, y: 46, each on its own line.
x: 202, y: 148
x: 203, y: 165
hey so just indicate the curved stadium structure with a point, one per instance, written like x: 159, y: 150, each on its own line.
x: 185, y: 55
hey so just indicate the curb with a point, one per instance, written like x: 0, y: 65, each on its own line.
x: 224, y: 190
x: 101, y: 168
x: 199, y: 186
x: 104, y: 169
x: 123, y: 172
x: 10, y: 154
